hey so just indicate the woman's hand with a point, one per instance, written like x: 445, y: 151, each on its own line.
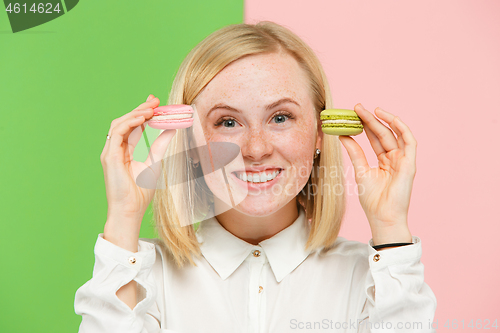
x: 127, y: 202
x: 384, y: 191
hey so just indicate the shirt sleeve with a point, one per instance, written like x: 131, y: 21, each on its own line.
x: 397, y: 298
x: 96, y: 301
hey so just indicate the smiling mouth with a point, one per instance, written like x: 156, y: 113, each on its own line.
x: 256, y: 178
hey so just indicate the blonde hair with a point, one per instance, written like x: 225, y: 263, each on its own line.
x: 324, y: 210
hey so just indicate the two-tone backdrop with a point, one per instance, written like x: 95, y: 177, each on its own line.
x: 433, y: 63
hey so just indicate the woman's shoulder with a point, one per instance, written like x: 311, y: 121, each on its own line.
x: 346, y: 248
x: 164, y: 256
x: 158, y: 244
x: 348, y: 256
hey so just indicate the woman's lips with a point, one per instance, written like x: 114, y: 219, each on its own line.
x: 257, y: 186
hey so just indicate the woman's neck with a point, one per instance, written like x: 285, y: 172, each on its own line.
x: 254, y: 229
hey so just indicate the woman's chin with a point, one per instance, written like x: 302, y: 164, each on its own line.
x: 261, y: 206
x: 258, y: 203
x: 257, y: 211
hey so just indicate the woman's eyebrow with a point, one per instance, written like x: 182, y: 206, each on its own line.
x: 268, y: 107
x: 281, y: 101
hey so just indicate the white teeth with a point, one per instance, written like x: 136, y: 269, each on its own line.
x: 257, y: 177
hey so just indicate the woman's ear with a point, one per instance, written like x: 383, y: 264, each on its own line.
x: 192, y: 152
x: 195, y: 158
x: 319, y: 136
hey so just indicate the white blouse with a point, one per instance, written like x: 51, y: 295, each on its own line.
x: 275, y: 286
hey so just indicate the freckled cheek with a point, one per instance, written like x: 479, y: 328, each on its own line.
x: 302, y: 140
x: 211, y: 135
x: 298, y: 148
x: 214, y: 136
x: 295, y: 146
x: 205, y: 135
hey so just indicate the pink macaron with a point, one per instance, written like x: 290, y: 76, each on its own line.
x: 172, y: 117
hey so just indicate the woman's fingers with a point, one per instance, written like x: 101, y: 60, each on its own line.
x: 133, y: 138
x: 389, y: 119
x: 147, y: 174
x: 152, y: 102
x: 406, y: 140
x: 384, y: 135
x: 125, y: 119
x: 158, y: 149
x: 374, y: 141
x: 145, y: 109
x: 136, y: 134
x: 115, y: 148
x: 410, y: 143
x: 356, y: 154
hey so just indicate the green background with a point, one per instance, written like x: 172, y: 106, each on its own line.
x: 61, y: 85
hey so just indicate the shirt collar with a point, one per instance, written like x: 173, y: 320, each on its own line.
x: 225, y: 252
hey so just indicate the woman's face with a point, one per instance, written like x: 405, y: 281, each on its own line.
x: 263, y: 104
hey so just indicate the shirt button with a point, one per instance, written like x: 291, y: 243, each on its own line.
x: 376, y: 257
x: 132, y: 260
x: 256, y: 253
x: 260, y: 289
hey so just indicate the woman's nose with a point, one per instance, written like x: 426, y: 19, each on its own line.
x: 257, y: 145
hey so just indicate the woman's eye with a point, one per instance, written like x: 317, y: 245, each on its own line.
x: 280, y: 118
x: 226, y: 122
x: 229, y: 123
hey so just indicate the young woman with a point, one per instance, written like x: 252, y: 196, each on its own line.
x: 266, y: 256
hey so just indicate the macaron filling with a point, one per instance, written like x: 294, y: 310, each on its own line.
x: 342, y: 125
x: 161, y: 117
x: 341, y: 121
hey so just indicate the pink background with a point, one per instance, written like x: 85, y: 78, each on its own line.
x: 436, y: 64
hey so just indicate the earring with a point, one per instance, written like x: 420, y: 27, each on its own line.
x: 316, y: 153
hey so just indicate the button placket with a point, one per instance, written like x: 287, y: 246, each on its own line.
x: 256, y: 286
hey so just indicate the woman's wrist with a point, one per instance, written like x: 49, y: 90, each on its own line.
x: 123, y: 232
x: 393, y: 234
x: 389, y: 246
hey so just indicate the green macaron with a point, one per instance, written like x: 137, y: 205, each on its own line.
x: 340, y: 122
